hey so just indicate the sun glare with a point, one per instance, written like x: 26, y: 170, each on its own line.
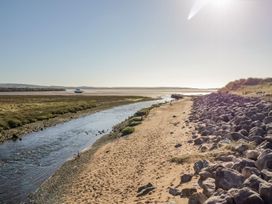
x: 217, y: 4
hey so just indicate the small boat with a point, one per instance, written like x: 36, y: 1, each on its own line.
x: 78, y: 91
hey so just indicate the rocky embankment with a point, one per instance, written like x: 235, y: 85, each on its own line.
x: 236, y: 132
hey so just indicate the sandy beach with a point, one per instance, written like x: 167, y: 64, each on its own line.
x: 116, y: 170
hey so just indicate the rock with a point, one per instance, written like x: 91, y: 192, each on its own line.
x: 265, y: 191
x: 200, y: 165
x: 266, y: 175
x: 265, y: 145
x: 253, y: 182
x: 252, y: 154
x: 270, y: 113
x: 246, y: 196
x: 186, y: 178
x: 257, y: 139
x: 256, y: 131
x: 264, y: 161
x: 268, y: 138
x: 198, y: 141
x: 178, y: 145
x: 248, y: 171
x: 223, y: 199
x: 226, y: 178
x: 144, y: 190
x: 244, y: 132
x: 241, y: 148
x: 236, y: 136
x: 186, y: 192
x: 268, y: 120
x: 243, y: 163
x: 197, y: 198
x: 225, y: 158
x: 204, y: 175
x: 203, y: 148
x: 174, y: 192
x: 208, y: 186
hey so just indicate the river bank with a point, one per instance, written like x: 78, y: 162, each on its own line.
x: 214, y: 149
x: 20, y: 115
x: 113, y: 170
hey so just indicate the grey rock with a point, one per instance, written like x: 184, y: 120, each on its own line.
x: 174, y: 192
x: 264, y: 161
x: 248, y: 171
x: 265, y: 191
x: 243, y: 163
x: 208, y: 186
x: 226, y: 178
x: 236, y: 136
x: 186, y: 178
x: 253, y: 182
x: 144, y: 190
x: 266, y: 175
x: 268, y: 120
x: 252, y: 154
x: 223, y: 199
x: 200, y: 165
x: 197, y: 198
x: 246, y: 196
x: 188, y: 191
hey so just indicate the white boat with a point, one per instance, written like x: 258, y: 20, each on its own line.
x: 78, y: 91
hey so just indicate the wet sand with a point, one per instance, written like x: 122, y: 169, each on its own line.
x: 114, y: 172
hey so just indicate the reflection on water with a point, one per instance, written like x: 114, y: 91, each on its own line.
x: 25, y: 164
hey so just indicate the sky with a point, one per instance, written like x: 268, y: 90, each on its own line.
x: 134, y: 43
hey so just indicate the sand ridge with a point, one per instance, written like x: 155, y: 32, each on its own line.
x: 117, y: 169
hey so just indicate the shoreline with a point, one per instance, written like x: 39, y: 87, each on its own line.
x: 19, y: 132
x: 52, y: 190
x: 76, y: 164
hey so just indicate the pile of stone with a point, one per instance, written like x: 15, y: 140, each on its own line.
x: 244, y: 174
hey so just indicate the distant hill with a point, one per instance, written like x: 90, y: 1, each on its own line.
x: 250, y: 87
x: 28, y: 87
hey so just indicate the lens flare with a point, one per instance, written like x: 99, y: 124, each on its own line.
x: 199, y: 4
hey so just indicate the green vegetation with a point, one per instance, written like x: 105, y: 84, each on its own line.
x: 127, y: 130
x: 17, y: 111
x: 143, y: 112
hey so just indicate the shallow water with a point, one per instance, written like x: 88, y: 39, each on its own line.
x: 25, y: 164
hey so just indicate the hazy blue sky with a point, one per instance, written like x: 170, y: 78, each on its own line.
x: 133, y: 42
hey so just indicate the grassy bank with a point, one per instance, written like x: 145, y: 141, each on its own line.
x: 22, y: 114
x: 49, y: 191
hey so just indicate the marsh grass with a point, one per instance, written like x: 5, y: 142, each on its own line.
x: 17, y: 111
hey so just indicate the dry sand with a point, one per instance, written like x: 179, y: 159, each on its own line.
x: 117, y: 169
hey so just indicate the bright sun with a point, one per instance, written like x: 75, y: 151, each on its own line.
x: 199, y: 4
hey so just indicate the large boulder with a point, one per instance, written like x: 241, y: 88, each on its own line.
x: 253, y: 182
x: 226, y: 178
x: 264, y: 161
x: 245, y: 196
x: 265, y: 191
x: 243, y: 163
